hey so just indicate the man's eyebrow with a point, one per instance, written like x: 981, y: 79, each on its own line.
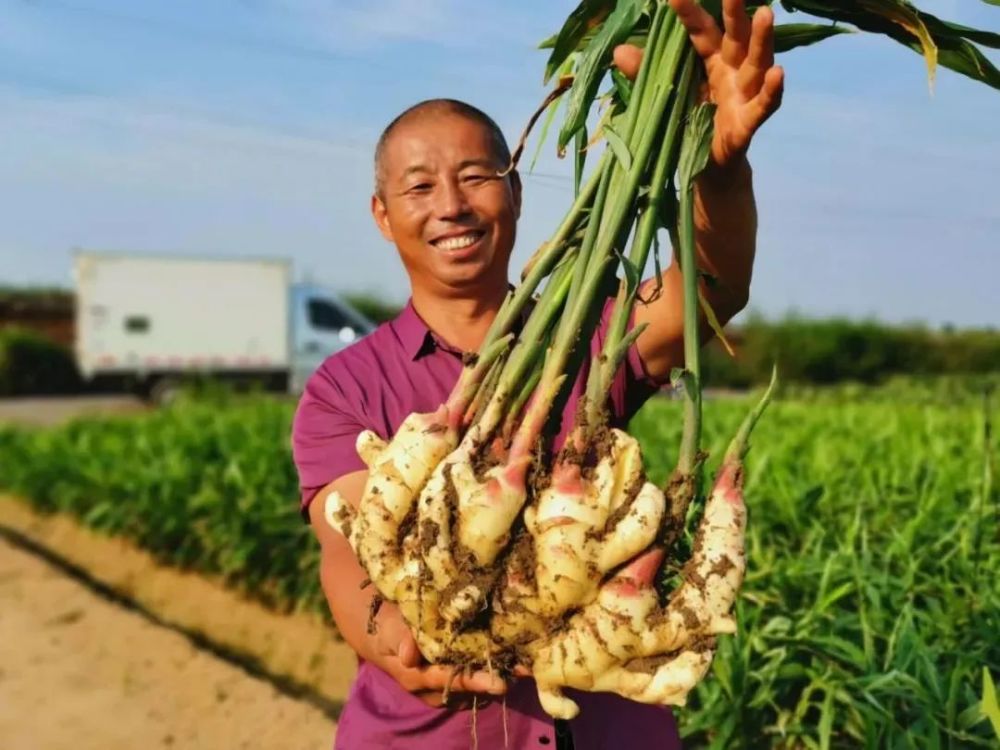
x: 414, y: 169
x: 486, y: 163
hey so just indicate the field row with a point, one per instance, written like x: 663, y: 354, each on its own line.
x: 871, y: 604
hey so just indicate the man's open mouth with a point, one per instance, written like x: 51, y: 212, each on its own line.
x: 459, y: 241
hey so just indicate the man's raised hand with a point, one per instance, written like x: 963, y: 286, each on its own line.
x: 743, y: 81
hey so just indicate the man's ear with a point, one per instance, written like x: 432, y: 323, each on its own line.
x: 381, y: 216
x: 515, y: 189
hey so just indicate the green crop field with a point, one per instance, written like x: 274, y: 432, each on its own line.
x: 872, y: 603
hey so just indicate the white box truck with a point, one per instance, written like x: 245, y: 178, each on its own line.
x: 152, y: 322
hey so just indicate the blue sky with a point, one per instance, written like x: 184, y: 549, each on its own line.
x: 245, y: 127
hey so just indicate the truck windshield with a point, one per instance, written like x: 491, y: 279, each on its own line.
x: 325, y: 315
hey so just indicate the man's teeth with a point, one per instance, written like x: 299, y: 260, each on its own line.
x: 457, y: 243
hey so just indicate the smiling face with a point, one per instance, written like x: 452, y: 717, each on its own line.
x: 440, y: 202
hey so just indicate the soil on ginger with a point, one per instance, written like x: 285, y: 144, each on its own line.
x: 79, y: 672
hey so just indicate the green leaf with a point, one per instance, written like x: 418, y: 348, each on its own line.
x: 967, y: 59
x: 947, y: 29
x: 991, y: 709
x: 832, y: 597
x: 594, y: 62
x: 941, y: 42
x: 680, y: 376
x: 622, y: 85
x: 788, y: 36
x: 550, y: 116
x: 618, y: 147
x: 696, y: 146
x: 714, y: 324
x: 587, y: 15
x: 826, y: 717
x: 631, y: 275
x: 579, y: 159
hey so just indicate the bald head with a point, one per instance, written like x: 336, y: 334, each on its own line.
x: 434, y: 108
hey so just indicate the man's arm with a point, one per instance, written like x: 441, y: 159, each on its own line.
x: 391, y: 647
x: 726, y: 237
x: 746, y: 87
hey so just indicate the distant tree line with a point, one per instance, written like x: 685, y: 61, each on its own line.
x: 808, y: 351
x: 826, y: 351
x: 820, y: 351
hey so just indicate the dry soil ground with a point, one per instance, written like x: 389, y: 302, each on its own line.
x: 48, y: 411
x: 81, y: 672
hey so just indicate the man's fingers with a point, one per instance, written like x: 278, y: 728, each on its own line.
x: 482, y: 682
x: 736, y: 41
x: 439, y: 677
x: 760, y: 56
x: 701, y: 27
x: 766, y: 103
x: 409, y: 654
x: 628, y: 58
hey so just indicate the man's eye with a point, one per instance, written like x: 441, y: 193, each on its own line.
x: 420, y: 187
x: 475, y: 179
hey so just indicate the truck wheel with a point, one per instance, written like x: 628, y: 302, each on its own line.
x: 165, y: 391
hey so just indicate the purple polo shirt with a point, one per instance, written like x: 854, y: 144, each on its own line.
x: 403, y: 367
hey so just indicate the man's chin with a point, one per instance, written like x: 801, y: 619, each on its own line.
x: 471, y: 276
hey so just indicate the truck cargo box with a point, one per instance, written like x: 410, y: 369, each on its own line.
x: 146, y: 313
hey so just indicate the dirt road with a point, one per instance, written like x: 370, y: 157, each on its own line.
x: 54, y: 410
x: 79, y: 672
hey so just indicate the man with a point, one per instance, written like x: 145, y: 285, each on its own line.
x: 453, y: 220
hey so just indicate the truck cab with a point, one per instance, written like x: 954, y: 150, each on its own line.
x: 322, y: 324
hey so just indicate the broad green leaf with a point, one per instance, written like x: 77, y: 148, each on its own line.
x: 965, y: 58
x: 618, y: 147
x: 906, y: 16
x: 946, y: 29
x: 903, y: 22
x: 594, y: 60
x: 789, y: 36
x: 881, y: 16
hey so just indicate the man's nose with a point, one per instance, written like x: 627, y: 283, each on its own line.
x: 452, y: 202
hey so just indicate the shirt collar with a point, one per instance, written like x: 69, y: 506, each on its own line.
x: 412, y: 331
x: 418, y: 339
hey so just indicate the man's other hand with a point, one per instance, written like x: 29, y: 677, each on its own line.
x: 398, y: 655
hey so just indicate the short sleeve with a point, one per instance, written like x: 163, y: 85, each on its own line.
x: 324, y: 434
